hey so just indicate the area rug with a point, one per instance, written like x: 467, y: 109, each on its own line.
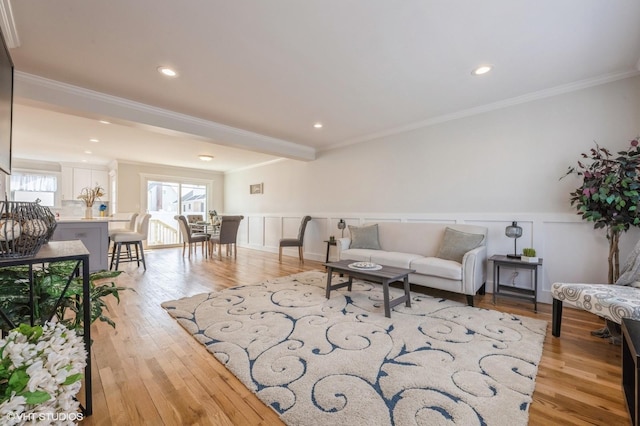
x: 340, y: 361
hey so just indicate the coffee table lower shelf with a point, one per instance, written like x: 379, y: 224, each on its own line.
x: 384, y: 276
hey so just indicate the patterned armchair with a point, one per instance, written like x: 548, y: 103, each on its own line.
x: 609, y: 301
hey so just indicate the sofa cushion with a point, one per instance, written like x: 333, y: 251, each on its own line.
x: 437, y: 267
x: 364, y: 237
x: 360, y: 255
x: 456, y: 243
x: 394, y: 258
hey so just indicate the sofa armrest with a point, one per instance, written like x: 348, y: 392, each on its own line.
x: 342, y: 244
x: 474, y: 271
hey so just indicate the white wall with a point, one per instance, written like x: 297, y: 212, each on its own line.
x: 489, y: 169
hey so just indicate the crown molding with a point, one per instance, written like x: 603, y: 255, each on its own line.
x: 74, y: 98
x: 554, y: 91
x: 254, y: 166
x: 8, y: 25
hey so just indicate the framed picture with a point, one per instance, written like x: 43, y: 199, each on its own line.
x: 256, y: 188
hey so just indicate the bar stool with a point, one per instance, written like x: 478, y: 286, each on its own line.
x: 127, y: 238
x: 130, y: 227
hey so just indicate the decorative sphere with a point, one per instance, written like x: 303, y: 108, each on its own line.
x: 9, y: 230
x: 35, y: 227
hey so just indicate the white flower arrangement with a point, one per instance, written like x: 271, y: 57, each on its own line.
x: 41, y: 370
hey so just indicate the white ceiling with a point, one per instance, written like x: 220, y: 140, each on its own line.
x: 364, y: 68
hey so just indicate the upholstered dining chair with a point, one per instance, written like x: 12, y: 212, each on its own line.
x: 127, y: 238
x: 295, y: 242
x: 228, y: 235
x: 193, y: 220
x: 191, y: 238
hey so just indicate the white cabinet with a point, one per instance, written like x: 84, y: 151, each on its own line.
x: 81, y: 179
x: 76, y: 178
x: 66, y: 184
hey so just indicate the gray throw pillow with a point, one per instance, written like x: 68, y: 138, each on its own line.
x: 456, y: 243
x: 364, y: 237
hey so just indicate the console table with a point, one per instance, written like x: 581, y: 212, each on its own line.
x: 57, y: 251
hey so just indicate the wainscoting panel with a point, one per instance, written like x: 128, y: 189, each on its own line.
x: 317, y: 231
x: 272, y: 231
x: 418, y: 220
x: 256, y: 231
x: 582, y: 249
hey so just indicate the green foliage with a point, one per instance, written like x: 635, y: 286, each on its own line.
x: 50, y: 286
x: 609, y: 195
x: 529, y: 252
x: 610, y: 191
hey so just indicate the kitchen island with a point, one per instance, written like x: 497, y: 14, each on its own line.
x: 93, y: 233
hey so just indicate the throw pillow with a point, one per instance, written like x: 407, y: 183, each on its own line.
x: 364, y: 237
x: 456, y: 243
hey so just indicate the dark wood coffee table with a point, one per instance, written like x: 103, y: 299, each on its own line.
x: 384, y: 276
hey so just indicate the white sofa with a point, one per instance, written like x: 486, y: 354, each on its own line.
x: 415, y: 246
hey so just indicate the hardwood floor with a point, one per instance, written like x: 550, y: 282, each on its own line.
x: 150, y: 371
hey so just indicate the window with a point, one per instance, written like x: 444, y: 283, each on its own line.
x: 165, y: 200
x: 33, y: 186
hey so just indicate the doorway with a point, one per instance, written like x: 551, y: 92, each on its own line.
x: 166, y: 199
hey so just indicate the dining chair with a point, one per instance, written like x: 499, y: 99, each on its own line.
x: 127, y: 238
x: 295, y: 242
x: 228, y: 235
x: 189, y: 237
x: 193, y: 224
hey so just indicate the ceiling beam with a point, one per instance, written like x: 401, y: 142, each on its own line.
x: 90, y: 103
x: 8, y: 25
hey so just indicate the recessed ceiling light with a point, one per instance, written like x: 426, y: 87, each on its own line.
x: 318, y: 125
x: 205, y: 157
x: 483, y: 69
x: 88, y: 152
x: 94, y: 140
x: 167, y: 71
x: 104, y: 122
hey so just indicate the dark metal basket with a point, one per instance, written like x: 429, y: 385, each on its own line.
x: 24, y: 228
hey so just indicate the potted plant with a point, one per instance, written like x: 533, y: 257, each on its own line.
x: 529, y: 255
x: 48, y: 287
x: 609, y: 194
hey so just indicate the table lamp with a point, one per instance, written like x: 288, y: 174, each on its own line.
x: 341, y: 226
x: 515, y: 232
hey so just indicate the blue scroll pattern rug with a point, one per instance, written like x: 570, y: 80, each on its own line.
x: 342, y: 362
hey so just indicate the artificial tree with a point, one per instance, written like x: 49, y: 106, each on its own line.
x: 609, y: 194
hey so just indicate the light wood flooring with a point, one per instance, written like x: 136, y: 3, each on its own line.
x: 149, y: 371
